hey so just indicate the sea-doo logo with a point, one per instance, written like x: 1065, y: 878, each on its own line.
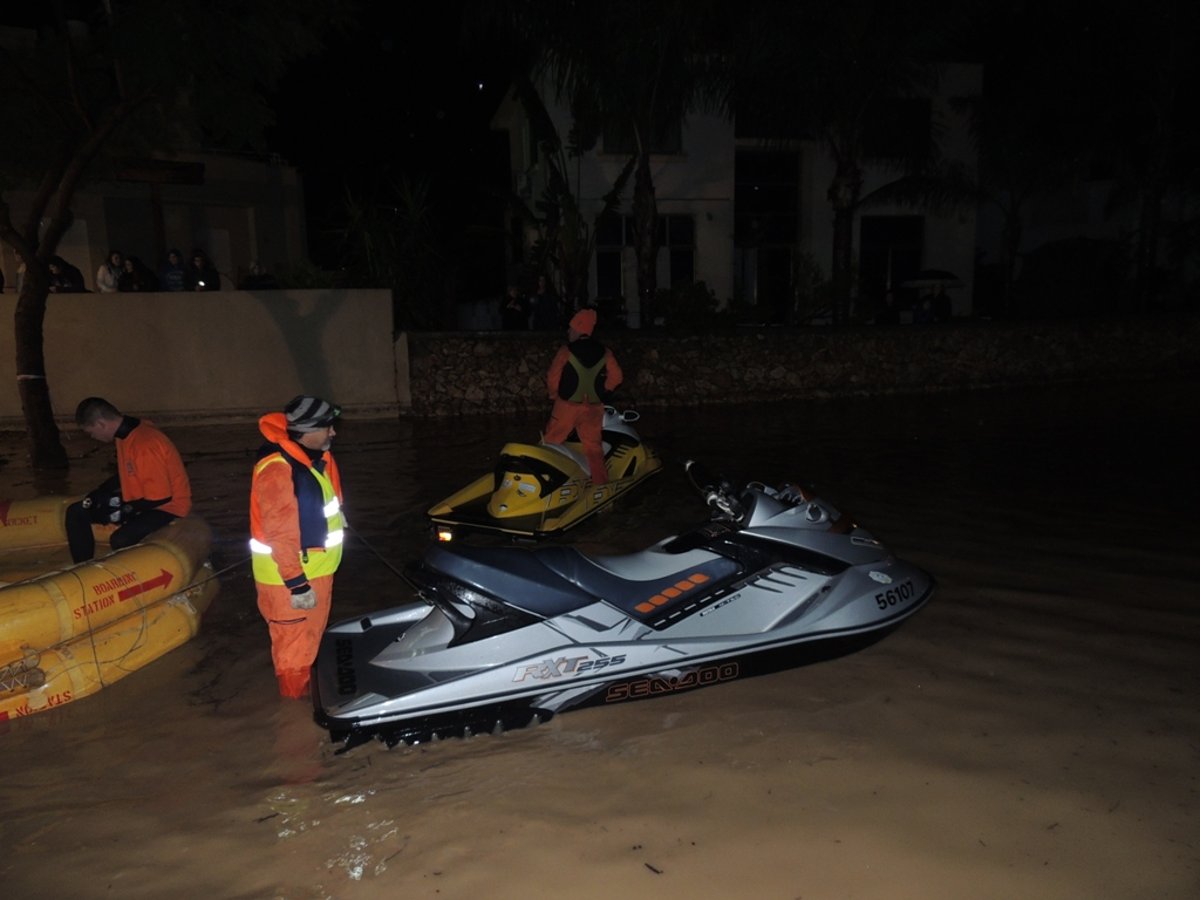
x: 566, y: 665
x: 881, y: 577
x: 347, y: 680
x: 657, y: 684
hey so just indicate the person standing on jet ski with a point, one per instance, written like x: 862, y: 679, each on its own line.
x: 296, y: 533
x: 584, y: 372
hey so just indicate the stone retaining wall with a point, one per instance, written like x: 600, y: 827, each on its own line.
x: 467, y: 374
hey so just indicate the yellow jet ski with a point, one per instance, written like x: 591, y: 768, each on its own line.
x: 542, y: 489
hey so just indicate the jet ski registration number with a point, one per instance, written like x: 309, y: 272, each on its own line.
x: 893, y: 596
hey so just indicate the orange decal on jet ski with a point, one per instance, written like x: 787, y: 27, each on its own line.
x: 671, y: 593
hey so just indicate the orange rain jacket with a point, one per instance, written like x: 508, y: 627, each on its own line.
x: 585, y: 416
x: 274, y: 511
x: 151, y: 469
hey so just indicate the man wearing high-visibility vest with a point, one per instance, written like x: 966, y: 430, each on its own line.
x: 296, y: 533
x: 581, y: 375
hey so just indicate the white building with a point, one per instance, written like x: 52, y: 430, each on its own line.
x: 747, y: 215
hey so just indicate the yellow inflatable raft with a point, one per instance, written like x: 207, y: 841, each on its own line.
x: 74, y: 629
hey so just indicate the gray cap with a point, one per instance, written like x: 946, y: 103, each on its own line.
x: 306, y: 413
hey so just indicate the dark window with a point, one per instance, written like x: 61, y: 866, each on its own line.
x: 676, y: 235
x: 608, y: 273
x: 891, y: 248
x: 608, y: 231
x: 766, y: 198
x: 680, y: 240
x: 611, y: 235
x: 683, y: 266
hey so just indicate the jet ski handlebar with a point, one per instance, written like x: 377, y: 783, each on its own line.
x: 718, y: 491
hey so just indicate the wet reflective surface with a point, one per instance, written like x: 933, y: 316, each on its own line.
x: 1032, y: 732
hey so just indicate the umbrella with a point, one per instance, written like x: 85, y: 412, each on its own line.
x: 931, y: 278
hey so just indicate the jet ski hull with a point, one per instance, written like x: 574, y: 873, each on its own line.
x: 497, y: 714
x: 509, y: 635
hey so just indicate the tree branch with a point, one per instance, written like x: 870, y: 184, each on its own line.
x: 72, y: 68
x: 10, y: 235
x: 45, y: 190
x: 60, y: 219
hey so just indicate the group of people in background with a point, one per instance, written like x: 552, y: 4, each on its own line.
x: 128, y: 273
x: 120, y: 273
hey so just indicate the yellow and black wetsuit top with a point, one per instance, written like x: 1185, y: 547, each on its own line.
x: 583, y: 376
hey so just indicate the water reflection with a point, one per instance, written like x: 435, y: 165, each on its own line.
x: 1051, y: 680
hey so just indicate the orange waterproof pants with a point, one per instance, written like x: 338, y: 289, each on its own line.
x: 295, y: 633
x: 586, y: 419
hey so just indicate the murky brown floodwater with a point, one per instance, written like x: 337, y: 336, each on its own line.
x: 1034, y: 732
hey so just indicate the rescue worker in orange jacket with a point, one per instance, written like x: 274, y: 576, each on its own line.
x: 150, y: 489
x: 296, y: 534
x: 581, y: 376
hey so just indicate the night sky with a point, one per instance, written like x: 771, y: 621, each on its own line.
x: 402, y: 92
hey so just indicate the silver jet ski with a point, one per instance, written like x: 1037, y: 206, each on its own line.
x: 504, y: 636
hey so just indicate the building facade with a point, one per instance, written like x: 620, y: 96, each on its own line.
x: 749, y: 216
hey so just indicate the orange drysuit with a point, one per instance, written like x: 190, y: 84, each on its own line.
x: 153, y: 487
x: 296, y: 530
x: 580, y: 373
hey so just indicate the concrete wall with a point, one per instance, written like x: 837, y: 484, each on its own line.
x: 488, y: 373
x: 230, y: 356
x: 224, y: 354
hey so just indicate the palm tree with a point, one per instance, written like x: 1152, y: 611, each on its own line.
x: 630, y: 71
x: 1152, y: 67
x: 568, y: 237
x: 827, y: 71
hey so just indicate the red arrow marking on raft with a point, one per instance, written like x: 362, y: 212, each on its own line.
x: 161, y: 581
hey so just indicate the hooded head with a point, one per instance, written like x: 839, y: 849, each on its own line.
x: 583, y: 322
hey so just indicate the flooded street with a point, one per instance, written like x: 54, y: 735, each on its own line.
x: 1034, y: 731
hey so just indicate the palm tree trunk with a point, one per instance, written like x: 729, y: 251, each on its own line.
x: 843, y: 196
x: 1146, y: 252
x: 645, y: 231
x: 1012, y: 250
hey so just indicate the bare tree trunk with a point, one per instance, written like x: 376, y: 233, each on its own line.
x: 45, y: 446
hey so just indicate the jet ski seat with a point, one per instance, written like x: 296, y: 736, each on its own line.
x: 511, y: 574
x: 570, y: 453
x: 640, y: 583
x: 551, y: 581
